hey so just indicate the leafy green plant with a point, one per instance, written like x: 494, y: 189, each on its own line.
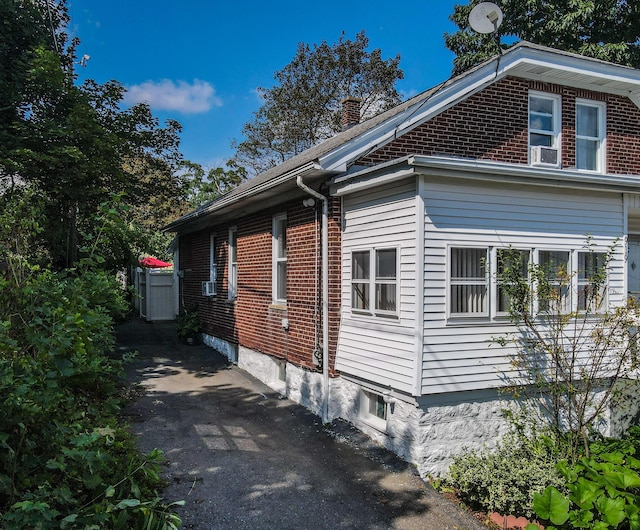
x: 603, y: 490
x: 505, y: 479
x: 188, y: 322
x: 66, y: 461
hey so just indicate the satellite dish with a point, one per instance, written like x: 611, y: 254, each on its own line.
x: 486, y: 17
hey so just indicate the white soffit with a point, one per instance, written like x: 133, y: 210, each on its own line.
x: 575, y: 71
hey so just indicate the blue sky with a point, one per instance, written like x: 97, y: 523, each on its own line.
x: 199, y: 62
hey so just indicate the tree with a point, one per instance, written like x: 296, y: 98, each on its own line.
x: 73, y: 142
x: 303, y: 108
x: 603, y: 29
x: 202, y: 186
x: 571, y: 363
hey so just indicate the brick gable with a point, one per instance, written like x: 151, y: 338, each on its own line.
x: 493, y: 125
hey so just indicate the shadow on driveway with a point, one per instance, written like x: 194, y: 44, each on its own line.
x: 244, y: 457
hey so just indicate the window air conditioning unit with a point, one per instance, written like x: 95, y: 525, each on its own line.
x: 544, y: 156
x: 208, y: 288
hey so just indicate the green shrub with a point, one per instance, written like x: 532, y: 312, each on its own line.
x: 505, y: 479
x: 65, y: 459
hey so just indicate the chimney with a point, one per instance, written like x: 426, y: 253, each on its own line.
x: 350, y: 112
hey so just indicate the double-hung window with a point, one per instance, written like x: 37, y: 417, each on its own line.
x: 592, y: 278
x: 513, y: 268
x: 544, y: 128
x: 374, y: 281
x: 468, y: 282
x: 554, y: 264
x: 590, y: 133
x: 213, y: 268
x: 233, y: 264
x: 279, y: 253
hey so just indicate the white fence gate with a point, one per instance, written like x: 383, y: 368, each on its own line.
x: 156, y: 294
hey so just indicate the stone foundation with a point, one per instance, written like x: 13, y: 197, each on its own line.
x: 427, y: 431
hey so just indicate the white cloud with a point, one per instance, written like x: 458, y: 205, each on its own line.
x: 180, y: 96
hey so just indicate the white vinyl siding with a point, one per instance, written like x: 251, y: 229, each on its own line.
x: 460, y: 354
x: 380, y: 350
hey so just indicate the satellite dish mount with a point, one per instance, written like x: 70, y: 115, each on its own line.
x: 485, y: 18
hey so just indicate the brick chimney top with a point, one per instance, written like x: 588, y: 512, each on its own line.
x: 350, y: 112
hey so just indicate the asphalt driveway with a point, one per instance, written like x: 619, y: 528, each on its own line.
x: 244, y: 457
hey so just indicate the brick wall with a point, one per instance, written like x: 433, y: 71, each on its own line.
x: 493, y: 125
x: 253, y: 320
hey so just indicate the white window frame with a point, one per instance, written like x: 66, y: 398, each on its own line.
x: 213, y: 268
x: 374, y: 281
x: 582, y: 282
x: 460, y: 281
x: 556, y: 132
x: 279, y: 228
x: 600, y: 139
x: 571, y: 300
x: 377, y: 417
x: 233, y: 264
x: 567, y: 301
x: 496, y: 284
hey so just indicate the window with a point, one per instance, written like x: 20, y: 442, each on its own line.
x: 373, y: 409
x: 233, y: 263
x: 360, y: 279
x: 468, y: 282
x: 589, y: 135
x: 518, y: 262
x: 552, y: 281
x: 211, y: 288
x: 591, y: 281
x: 544, y: 120
x: 555, y: 266
x: 279, y: 250
x: 383, y: 284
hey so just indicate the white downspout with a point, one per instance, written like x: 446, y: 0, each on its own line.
x: 325, y: 295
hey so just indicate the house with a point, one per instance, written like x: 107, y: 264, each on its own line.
x: 352, y: 278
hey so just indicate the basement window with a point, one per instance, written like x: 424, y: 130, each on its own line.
x: 373, y: 409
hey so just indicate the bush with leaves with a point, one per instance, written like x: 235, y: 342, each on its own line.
x: 65, y: 459
x: 505, y: 479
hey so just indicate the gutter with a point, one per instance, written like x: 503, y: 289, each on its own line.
x: 325, y: 294
x: 237, y: 195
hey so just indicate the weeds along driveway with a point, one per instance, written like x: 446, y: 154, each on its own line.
x: 243, y: 457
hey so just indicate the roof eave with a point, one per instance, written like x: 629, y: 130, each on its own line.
x: 482, y: 170
x: 231, y: 202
